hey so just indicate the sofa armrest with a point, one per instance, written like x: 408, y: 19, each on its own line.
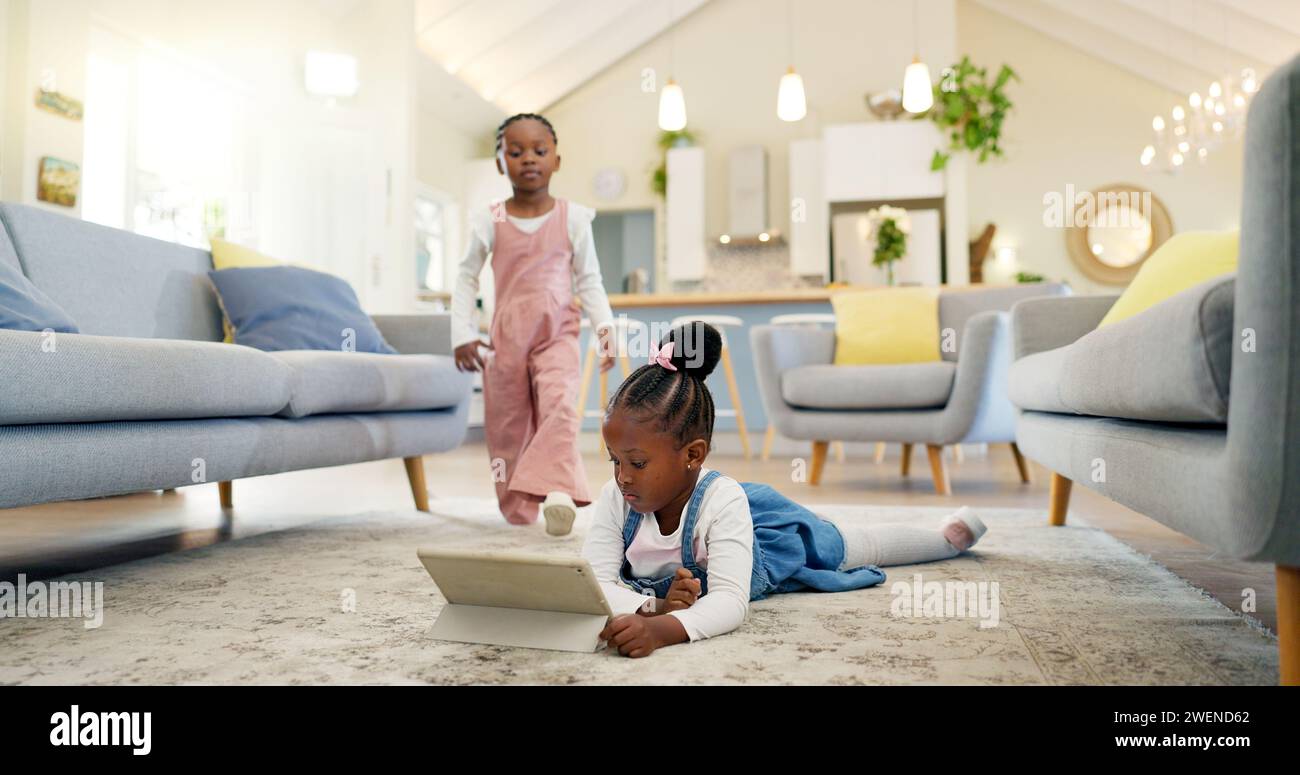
x: 422, y: 334
x: 978, y: 409
x: 1045, y: 324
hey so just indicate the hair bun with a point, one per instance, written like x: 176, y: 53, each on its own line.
x: 697, y: 348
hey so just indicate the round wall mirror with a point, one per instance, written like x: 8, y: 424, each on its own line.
x: 1114, y: 229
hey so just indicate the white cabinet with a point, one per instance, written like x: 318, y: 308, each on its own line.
x: 685, y: 240
x: 884, y: 160
x: 809, y: 217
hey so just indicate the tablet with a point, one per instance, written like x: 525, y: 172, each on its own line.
x: 516, y: 599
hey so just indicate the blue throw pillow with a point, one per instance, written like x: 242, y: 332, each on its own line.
x: 24, y: 307
x: 290, y: 308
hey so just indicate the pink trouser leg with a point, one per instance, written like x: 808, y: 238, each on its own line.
x: 508, y: 425
x: 550, y: 459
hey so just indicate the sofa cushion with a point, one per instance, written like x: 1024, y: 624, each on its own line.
x: 329, y: 382
x: 1170, y: 363
x: 277, y: 308
x: 78, y: 378
x: 1184, y: 260
x: 23, y: 307
x: 886, y: 326
x: 897, y: 386
x: 113, y: 282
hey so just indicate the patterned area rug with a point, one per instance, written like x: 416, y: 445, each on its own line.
x: 344, y: 600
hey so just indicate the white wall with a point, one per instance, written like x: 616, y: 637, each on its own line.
x: 730, y: 56
x: 333, y: 185
x: 1078, y: 119
x: 1082, y: 121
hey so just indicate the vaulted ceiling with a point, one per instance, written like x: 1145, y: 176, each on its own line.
x: 1180, y: 44
x: 494, y: 57
x: 523, y: 55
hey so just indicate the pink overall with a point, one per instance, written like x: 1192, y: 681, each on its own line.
x: 530, y: 384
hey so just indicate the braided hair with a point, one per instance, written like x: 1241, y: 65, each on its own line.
x: 680, y: 399
x: 501, y: 130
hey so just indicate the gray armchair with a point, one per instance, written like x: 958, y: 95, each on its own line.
x: 1189, y: 412
x: 959, y: 399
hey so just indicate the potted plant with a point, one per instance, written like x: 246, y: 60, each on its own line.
x: 970, y: 110
x: 889, y: 227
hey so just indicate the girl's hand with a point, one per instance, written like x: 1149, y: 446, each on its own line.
x: 682, y: 593
x: 606, y: 347
x: 468, y: 357
x: 637, y: 636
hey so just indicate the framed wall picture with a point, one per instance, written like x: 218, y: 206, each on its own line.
x: 59, y: 104
x: 57, y: 181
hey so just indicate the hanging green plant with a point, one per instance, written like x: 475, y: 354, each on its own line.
x: 970, y: 110
x: 667, y: 140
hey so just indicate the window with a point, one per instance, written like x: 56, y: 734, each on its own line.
x: 163, y: 145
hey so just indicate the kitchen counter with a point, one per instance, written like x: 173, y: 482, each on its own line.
x: 786, y: 296
x: 628, y: 300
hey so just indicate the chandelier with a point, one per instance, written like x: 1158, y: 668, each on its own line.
x: 1195, y: 128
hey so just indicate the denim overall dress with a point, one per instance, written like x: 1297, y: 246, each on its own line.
x: 794, y: 549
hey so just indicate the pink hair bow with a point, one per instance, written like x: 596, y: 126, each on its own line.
x: 663, y: 356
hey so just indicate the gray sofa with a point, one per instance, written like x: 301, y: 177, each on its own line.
x: 961, y: 398
x: 1189, y: 412
x: 148, y: 397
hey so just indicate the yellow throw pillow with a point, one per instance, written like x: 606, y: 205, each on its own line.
x: 891, y: 325
x: 1184, y: 260
x: 228, y: 255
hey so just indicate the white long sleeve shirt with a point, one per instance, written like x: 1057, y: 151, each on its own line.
x: 724, y: 548
x: 588, y: 285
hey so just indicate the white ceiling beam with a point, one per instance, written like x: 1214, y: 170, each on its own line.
x: 1236, y: 36
x: 1103, y: 44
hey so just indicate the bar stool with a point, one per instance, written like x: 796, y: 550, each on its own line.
x: 624, y: 328
x: 722, y: 323
x: 817, y: 319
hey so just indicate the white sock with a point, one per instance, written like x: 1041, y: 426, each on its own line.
x: 897, y: 544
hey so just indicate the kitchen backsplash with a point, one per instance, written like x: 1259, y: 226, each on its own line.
x: 745, y: 269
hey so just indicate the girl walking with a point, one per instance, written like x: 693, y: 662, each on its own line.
x: 542, y: 253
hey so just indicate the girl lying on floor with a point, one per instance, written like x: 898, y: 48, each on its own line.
x: 686, y: 547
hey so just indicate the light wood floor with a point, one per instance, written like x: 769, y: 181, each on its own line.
x: 80, y: 536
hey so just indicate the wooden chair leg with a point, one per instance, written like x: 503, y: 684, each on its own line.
x: 907, y: 458
x: 415, y: 474
x: 938, y: 469
x: 880, y: 452
x: 1059, y: 495
x: 226, y: 491
x: 818, y: 462
x: 1288, y: 624
x: 588, y: 367
x: 839, y: 451
x: 1021, y: 464
x: 768, y: 438
x: 735, y: 399
x: 604, y: 402
x: 958, y: 456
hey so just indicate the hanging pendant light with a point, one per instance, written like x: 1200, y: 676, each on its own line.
x: 672, y: 107
x: 672, y: 100
x: 791, y: 103
x: 918, y: 92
